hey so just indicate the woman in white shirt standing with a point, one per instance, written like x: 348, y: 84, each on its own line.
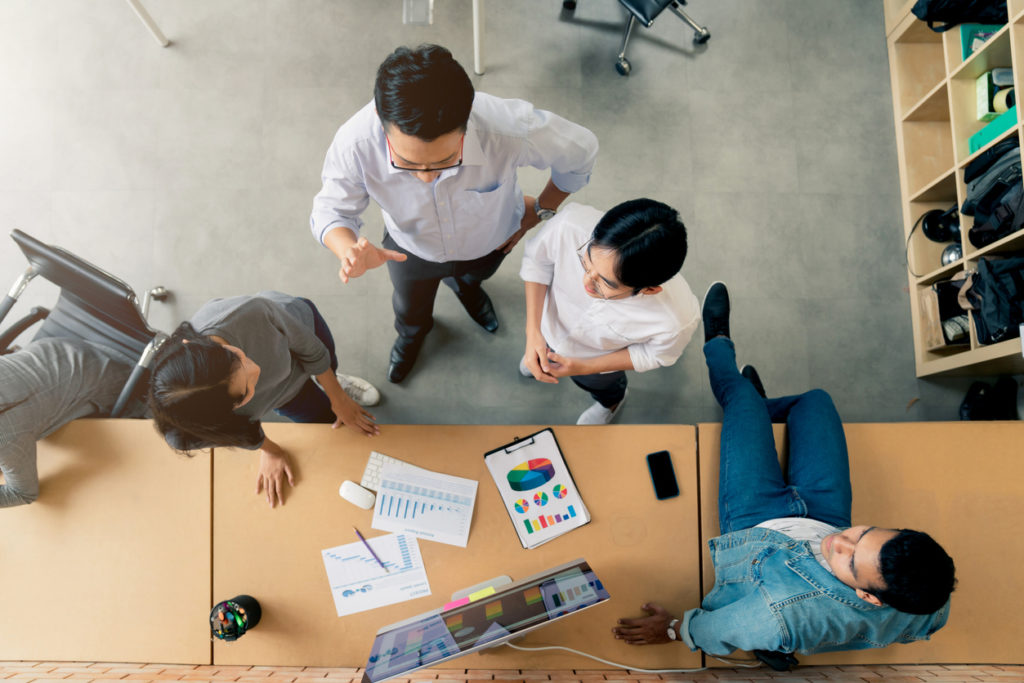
x: 604, y: 295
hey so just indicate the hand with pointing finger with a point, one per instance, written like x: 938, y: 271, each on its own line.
x: 363, y: 256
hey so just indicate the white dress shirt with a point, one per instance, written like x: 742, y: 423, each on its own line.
x: 654, y: 327
x: 468, y: 211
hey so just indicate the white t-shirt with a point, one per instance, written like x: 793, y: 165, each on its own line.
x: 655, y: 328
x: 804, y: 529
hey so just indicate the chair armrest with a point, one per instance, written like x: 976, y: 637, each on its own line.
x: 10, y: 334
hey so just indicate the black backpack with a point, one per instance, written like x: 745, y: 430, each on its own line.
x: 996, y: 295
x: 1007, y: 217
x: 953, y: 12
x: 993, y: 179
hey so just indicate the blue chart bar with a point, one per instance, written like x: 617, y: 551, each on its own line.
x: 403, y: 548
x: 572, y: 513
x: 404, y: 508
x: 445, y: 496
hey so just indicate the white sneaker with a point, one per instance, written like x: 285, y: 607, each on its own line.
x: 597, y: 414
x: 523, y: 370
x: 359, y: 390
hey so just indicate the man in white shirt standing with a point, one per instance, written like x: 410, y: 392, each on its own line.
x: 604, y: 295
x: 441, y: 162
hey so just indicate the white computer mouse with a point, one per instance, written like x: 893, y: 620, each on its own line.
x: 356, y: 494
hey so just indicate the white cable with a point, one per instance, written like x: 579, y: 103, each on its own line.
x: 738, y: 663
x: 633, y: 668
x: 605, y: 661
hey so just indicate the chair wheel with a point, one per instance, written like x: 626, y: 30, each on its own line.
x: 702, y: 36
x: 623, y: 66
x: 569, y: 5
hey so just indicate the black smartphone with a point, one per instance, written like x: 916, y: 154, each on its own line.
x: 662, y: 475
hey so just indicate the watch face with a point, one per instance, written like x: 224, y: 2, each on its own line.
x: 545, y: 214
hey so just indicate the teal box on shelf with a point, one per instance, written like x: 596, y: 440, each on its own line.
x: 972, y: 36
x: 994, y: 129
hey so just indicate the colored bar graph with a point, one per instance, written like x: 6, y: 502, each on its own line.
x: 493, y: 610
x: 551, y: 520
x: 454, y: 623
x: 529, y: 527
x: 572, y: 512
x: 558, y: 518
x: 532, y: 595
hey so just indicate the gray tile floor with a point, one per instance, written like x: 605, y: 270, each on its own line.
x: 194, y: 167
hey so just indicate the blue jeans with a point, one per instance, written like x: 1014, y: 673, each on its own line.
x: 311, y: 403
x: 752, y: 487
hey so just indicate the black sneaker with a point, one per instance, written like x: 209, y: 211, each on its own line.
x: 779, y: 661
x: 750, y: 373
x: 715, y: 312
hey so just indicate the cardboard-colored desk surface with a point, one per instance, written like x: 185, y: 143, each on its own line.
x: 960, y: 482
x: 642, y: 549
x: 112, y: 563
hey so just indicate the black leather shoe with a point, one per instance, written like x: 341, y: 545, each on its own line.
x: 780, y: 661
x: 715, y: 312
x: 481, y: 310
x: 750, y: 373
x: 403, y: 357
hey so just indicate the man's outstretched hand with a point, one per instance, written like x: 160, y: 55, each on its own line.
x: 649, y: 630
x: 363, y: 256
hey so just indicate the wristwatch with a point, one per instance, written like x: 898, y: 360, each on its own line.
x: 542, y: 213
x: 672, y: 630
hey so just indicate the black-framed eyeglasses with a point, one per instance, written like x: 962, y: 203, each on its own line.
x: 391, y: 160
x: 583, y: 252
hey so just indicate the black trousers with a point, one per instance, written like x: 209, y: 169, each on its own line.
x: 606, y: 388
x: 415, y: 281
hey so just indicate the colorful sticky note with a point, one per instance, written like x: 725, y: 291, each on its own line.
x: 482, y: 593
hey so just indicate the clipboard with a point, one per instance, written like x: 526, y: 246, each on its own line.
x: 537, y: 488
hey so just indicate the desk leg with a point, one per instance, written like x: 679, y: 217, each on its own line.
x: 478, y: 31
x: 158, y: 35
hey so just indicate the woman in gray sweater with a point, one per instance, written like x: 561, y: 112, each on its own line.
x: 240, y: 357
x: 44, y: 386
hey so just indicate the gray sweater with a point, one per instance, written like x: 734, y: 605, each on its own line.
x: 275, y: 330
x: 56, y: 381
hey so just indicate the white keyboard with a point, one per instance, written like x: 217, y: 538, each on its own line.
x: 371, y: 475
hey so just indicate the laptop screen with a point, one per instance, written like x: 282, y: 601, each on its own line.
x: 436, y: 636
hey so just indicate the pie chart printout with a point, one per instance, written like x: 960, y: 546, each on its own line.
x: 530, y: 474
x: 559, y: 491
x: 522, y: 505
x: 540, y: 498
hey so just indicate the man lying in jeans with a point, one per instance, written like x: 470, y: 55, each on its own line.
x: 791, y: 573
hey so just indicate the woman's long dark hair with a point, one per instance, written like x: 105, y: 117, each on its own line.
x: 189, y: 397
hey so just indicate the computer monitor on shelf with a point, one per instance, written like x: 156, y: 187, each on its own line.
x: 511, y: 611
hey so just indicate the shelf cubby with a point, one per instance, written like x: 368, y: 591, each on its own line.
x: 963, y: 89
x: 924, y: 255
x: 929, y: 151
x: 920, y: 65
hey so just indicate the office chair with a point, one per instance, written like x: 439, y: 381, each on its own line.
x: 93, y: 306
x: 646, y: 11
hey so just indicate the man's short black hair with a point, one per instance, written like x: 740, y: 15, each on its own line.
x: 919, y: 576
x: 649, y: 238
x: 423, y: 92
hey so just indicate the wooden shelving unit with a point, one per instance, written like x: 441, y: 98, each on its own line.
x: 933, y: 94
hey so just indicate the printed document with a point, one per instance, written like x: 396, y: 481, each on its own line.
x: 358, y: 583
x: 431, y: 505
